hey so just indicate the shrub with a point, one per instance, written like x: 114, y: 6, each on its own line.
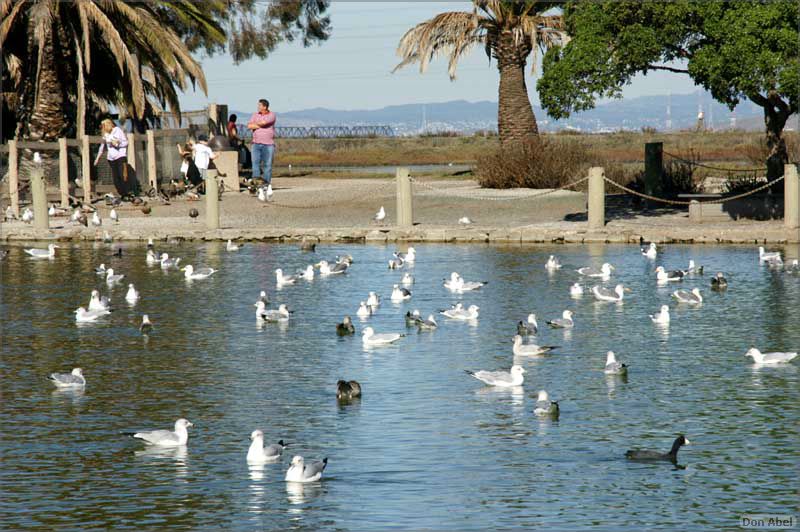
x: 756, y: 151
x: 533, y: 163
x: 739, y: 184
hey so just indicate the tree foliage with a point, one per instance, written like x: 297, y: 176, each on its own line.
x: 735, y: 50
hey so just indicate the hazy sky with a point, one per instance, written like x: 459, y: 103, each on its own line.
x: 352, y: 70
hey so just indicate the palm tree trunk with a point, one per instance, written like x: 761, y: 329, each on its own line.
x: 515, y: 118
x: 48, y: 121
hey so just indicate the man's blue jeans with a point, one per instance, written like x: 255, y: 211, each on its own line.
x: 263, y: 153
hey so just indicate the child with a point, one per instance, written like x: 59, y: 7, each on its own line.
x: 188, y: 168
x: 203, y: 155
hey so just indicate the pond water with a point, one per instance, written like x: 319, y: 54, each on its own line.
x: 428, y: 446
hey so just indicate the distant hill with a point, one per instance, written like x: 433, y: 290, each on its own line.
x: 464, y: 116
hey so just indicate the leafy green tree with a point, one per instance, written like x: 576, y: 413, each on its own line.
x: 736, y: 50
x: 509, y: 32
x: 66, y: 60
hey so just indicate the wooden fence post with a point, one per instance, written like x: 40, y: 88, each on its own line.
x: 63, y: 171
x: 152, y: 177
x: 39, y: 194
x: 212, y: 199
x: 13, y: 176
x: 86, y: 170
x: 405, y: 207
x: 653, y: 167
x: 597, y: 198
x: 132, y: 151
x: 791, y: 197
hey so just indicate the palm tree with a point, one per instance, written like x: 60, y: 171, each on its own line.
x: 509, y: 31
x: 62, y: 58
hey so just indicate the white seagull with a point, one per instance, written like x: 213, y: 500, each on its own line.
x: 692, y: 297
x: 564, y: 322
x: 552, y: 264
x: 504, y: 379
x: 326, y: 269
x: 27, y: 215
x: 400, y: 294
x: 284, y: 279
x: 613, y: 367
x: 199, y: 273
x: 100, y: 270
x: 98, y: 303
x: 112, y: 278
x: 380, y: 215
x: 601, y: 293
x: 364, y: 310
x: 528, y: 327
x: 133, y: 295
x: 576, y: 290
x: 88, y: 316
x: 407, y: 279
x: 410, y: 256
x: 544, y: 406
x: 373, y: 299
x: 167, y: 263
x: 663, y: 276
x: 68, y: 380
x: 650, y: 252
x: 662, y: 317
x: 48, y: 253
x: 167, y: 438
x: 369, y: 337
x: 529, y: 350
x: 231, y: 246
x: 604, y: 272
x: 114, y: 216
x: 280, y: 314
x: 152, y: 257
x: 258, y: 454
x: 458, y: 312
x: 769, y: 358
x: 270, y: 192
x: 96, y: 221
x: 464, y: 220
x: 299, y: 471
x: 768, y: 256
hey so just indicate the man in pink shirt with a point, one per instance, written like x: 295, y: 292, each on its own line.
x: 262, y: 124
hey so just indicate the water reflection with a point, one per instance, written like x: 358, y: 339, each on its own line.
x: 177, y: 455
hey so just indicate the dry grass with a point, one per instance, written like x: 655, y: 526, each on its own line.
x: 627, y: 148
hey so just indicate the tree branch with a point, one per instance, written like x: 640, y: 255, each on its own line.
x: 667, y: 68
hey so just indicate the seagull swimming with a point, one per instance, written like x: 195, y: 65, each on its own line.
x: 410, y: 256
x: 284, y: 279
x: 132, y: 295
x: 503, y: 379
x: 231, y: 246
x: 400, y: 294
x: 74, y: 379
x: 576, y: 290
x: 564, y: 322
x: 685, y: 296
x: 604, y: 272
x: 373, y: 300
x: 693, y: 268
x: 552, y: 264
x: 146, y: 327
x: 199, y: 273
x: 280, y: 314
x: 364, y: 310
x: 407, y: 279
x: 167, y: 263
x: 307, y: 274
x: 650, y: 252
x: 166, y: 438
x: 100, y: 270
x: 456, y: 283
x: 769, y: 358
x: 663, y: 315
x: 427, y: 324
x: 48, y: 253
x: 88, y: 316
x: 98, y: 303
x: 458, y: 312
x: 112, y: 278
x: 769, y: 256
x: 718, y: 282
x: 528, y: 327
x: 152, y: 257
x: 258, y: 454
x: 613, y: 367
x: 601, y: 293
x: 663, y: 276
x: 369, y: 337
x: 544, y: 406
x: 326, y: 269
x: 299, y: 471
x: 522, y: 350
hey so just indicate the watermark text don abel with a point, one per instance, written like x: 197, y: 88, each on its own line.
x: 772, y: 521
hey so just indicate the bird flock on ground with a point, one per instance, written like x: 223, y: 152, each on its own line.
x: 302, y: 471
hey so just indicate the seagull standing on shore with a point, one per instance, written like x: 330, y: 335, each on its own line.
x: 96, y: 221
x: 114, y: 216
x: 380, y: 216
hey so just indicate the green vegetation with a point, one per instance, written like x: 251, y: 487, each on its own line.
x: 736, y: 50
x: 66, y: 63
x: 509, y: 32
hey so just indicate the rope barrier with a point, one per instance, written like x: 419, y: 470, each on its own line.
x: 467, y: 195
x: 369, y: 192
x: 680, y: 202
x: 718, y: 168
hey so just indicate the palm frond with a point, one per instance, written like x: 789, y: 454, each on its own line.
x: 452, y: 33
x: 8, y: 18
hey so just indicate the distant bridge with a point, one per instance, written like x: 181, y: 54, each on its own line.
x: 324, y: 132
